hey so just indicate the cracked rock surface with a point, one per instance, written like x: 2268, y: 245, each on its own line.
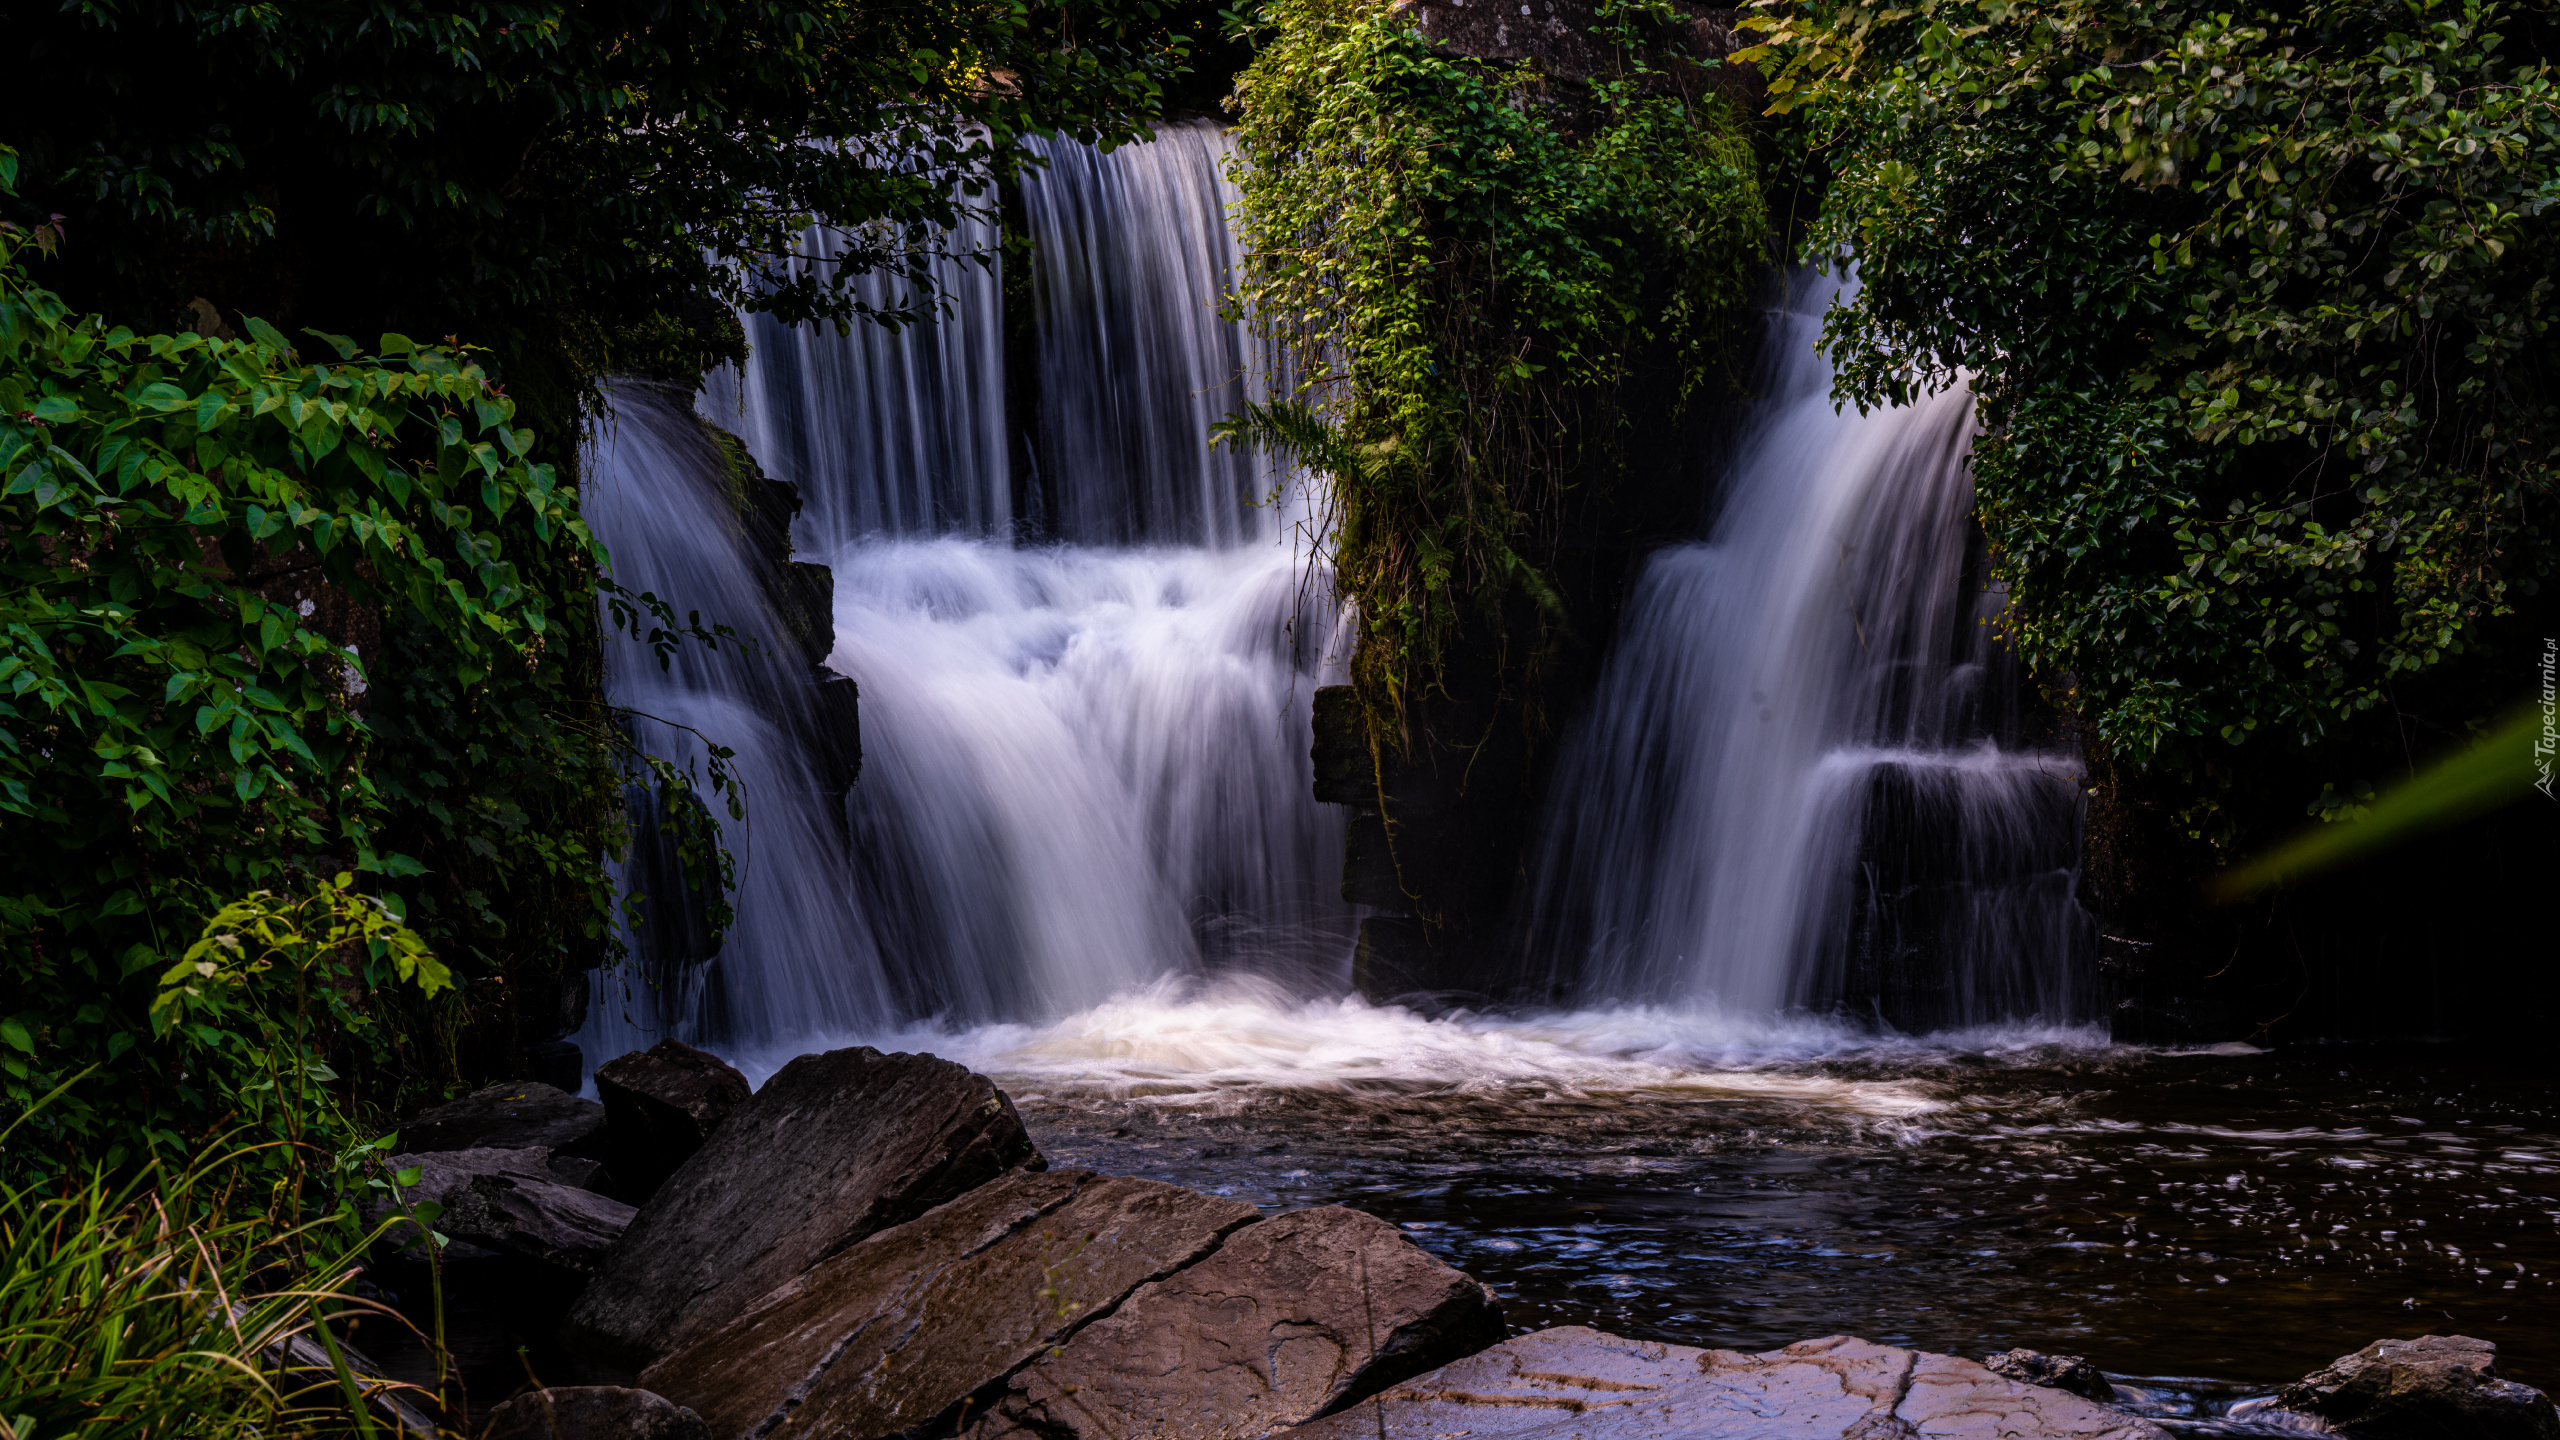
x: 912, y: 1323
x: 835, y: 1148
x: 1574, y: 1383
x: 1289, y: 1319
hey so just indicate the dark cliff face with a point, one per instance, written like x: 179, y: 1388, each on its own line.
x: 1556, y: 36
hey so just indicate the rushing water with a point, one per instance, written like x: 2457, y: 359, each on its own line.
x: 1802, y: 784
x: 1809, y: 868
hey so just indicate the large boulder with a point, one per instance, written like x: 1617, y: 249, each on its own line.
x: 592, y: 1412
x: 519, y: 1115
x: 1575, y: 1382
x: 505, y: 1202
x: 913, y: 1324
x: 660, y: 1104
x: 835, y: 1148
x: 2435, y: 1385
x: 1291, y: 1318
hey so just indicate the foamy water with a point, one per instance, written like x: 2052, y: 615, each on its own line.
x: 1191, y: 1044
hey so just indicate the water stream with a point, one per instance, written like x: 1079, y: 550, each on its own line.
x: 1811, y: 870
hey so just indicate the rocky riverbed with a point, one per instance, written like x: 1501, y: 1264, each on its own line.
x: 872, y: 1244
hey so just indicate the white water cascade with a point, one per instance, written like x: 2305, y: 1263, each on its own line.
x: 1804, y: 783
x: 1085, y: 761
x: 1802, y: 800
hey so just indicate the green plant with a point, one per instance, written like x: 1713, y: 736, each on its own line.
x: 1465, y: 264
x: 169, y: 1303
x: 2258, y: 308
x: 199, y: 541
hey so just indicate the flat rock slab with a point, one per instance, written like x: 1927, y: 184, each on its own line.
x: 835, y: 1148
x: 1574, y: 1383
x: 1290, y: 1318
x: 911, y: 1323
x: 592, y: 1412
x: 520, y: 1115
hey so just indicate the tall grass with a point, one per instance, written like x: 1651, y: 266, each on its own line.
x: 168, y: 1303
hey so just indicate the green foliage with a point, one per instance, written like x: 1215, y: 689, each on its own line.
x: 192, y: 534
x: 161, y: 1305
x: 1464, y: 263
x: 508, y: 162
x: 2258, y: 306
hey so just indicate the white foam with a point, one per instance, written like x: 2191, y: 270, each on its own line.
x: 1190, y: 1044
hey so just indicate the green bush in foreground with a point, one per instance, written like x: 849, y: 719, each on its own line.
x: 205, y: 545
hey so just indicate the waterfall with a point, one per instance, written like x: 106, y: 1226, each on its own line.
x: 1804, y: 782
x: 1086, y: 760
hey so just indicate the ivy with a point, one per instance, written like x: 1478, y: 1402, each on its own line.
x: 1464, y: 264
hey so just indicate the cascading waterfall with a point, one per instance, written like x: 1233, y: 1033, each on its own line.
x: 1803, y: 782
x: 1086, y: 763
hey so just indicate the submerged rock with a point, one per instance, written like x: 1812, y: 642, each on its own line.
x: 593, y: 1412
x: 834, y: 1148
x: 911, y: 1324
x: 519, y: 1115
x: 660, y: 1105
x: 1291, y: 1318
x: 2435, y: 1385
x: 1575, y: 1382
x: 2061, y: 1372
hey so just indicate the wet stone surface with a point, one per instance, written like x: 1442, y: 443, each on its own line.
x: 2208, y: 1225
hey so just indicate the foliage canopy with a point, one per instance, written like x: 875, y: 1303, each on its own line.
x: 2258, y: 305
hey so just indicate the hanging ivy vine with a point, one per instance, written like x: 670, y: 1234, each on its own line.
x: 1463, y: 263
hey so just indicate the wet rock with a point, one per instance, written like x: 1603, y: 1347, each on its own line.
x: 660, y: 1104
x: 593, y: 1412
x: 834, y: 1148
x: 912, y: 1323
x: 1291, y: 1318
x: 2061, y: 1372
x: 541, y: 1219
x: 506, y: 1202
x: 582, y: 1171
x: 2435, y: 1385
x: 519, y: 1115
x: 443, y: 1175
x: 1572, y: 1381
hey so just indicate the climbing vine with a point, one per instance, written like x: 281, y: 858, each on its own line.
x: 1463, y: 265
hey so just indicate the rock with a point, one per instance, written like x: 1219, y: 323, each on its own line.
x: 660, y: 1104
x: 540, y: 1219
x: 593, y: 1412
x: 1291, y: 1318
x: 2061, y: 1372
x: 582, y: 1171
x: 2435, y: 1385
x: 913, y: 1323
x: 835, y: 1148
x: 443, y: 1175
x: 1572, y: 1381
x: 508, y: 1202
x: 559, y: 1064
x: 519, y: 1115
